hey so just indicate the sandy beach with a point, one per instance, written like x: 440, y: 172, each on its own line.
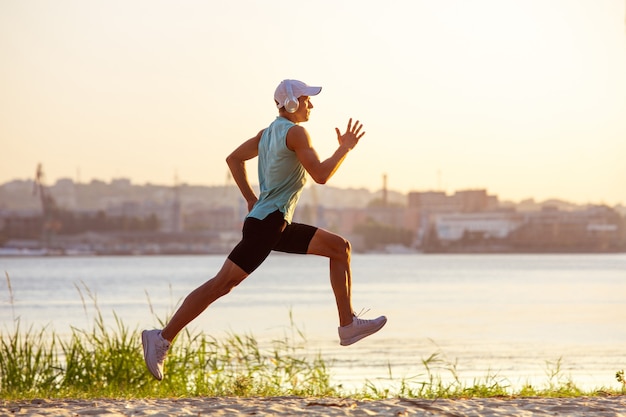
x: 297, y: 406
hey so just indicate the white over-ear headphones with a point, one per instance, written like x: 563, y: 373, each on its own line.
x: 291, y: 103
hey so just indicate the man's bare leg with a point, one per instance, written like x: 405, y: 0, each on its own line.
x: 156, y: 343
x: 229, y: 276
x: 338, y: 251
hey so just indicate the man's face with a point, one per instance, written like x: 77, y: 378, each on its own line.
x: 304, y: 108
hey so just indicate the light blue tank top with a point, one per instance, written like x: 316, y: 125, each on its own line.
x: 281, y: 175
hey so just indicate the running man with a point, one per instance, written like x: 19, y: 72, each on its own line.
x: 285, y: 155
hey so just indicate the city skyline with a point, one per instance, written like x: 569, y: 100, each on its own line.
x: 122, y: 218
x: 19, y: 194
x: 526, y: 99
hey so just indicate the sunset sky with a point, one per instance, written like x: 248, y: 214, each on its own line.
x: 526, y: 98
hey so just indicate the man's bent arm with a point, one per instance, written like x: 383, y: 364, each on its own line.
x: 237, y: 164
x: 299, y: 141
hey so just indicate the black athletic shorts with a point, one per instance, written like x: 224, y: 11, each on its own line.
x: 260, y: 237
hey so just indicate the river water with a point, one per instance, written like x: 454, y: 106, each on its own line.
x: 512, y: 317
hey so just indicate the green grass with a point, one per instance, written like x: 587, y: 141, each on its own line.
x: 431, y: 384
x: 106, y: 362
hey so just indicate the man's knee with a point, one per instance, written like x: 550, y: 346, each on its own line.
x: 228, y: 278
x: 341, y: 248
x: 330, y: 245
x: 226, y: 284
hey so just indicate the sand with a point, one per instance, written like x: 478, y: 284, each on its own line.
x: 296, y: 406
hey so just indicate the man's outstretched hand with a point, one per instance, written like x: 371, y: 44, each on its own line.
x: 352, y: 135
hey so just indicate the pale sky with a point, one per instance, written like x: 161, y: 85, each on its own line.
x: 526, y: 98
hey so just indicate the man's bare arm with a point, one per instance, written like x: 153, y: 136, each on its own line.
x: 299, y: 141
x: 237, y: 163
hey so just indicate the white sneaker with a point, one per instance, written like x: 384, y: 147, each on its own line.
x: 360, y: 328
x: 154, y: 351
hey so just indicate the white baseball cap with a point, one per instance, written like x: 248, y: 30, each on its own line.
x: 289, y: 90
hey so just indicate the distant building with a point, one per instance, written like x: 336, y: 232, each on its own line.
x: 388, y: 215
x: 26, y: 224
x: 487, y: 225
x: 343, y: 221
x: 218, y: 219
x: 596, y: 229
x: 428, y: 206
x: 464, y: 201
